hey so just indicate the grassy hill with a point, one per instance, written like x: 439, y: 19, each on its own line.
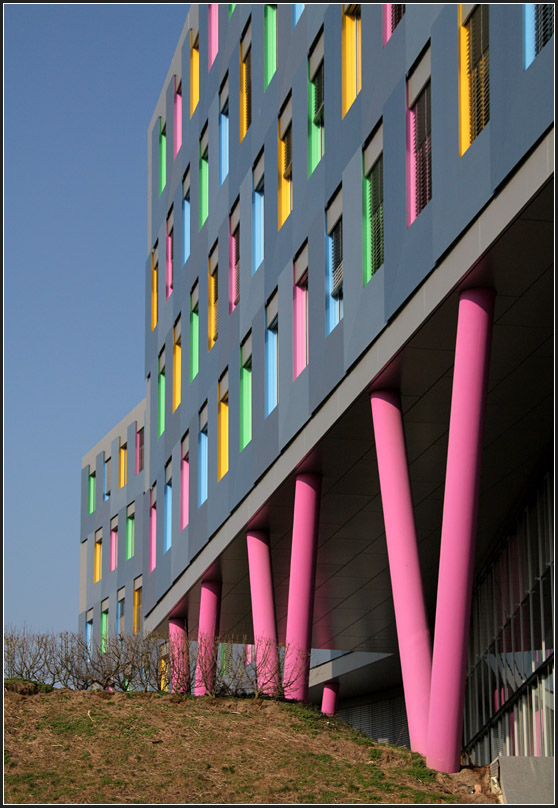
x: 100, y: 747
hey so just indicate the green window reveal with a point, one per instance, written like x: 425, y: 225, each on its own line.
x: 316, y: 104
x: 161, y: 395
x: 130, y: 530
x: 270, y: 39
x: 162, y: 155
x: 373, y: 207
x: 104, y: 631
x: 92, y: 490
x: 246, y: 392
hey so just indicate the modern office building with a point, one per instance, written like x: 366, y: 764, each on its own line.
x: 346, y: 443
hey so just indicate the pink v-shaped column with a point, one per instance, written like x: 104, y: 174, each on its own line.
x: 263, y: 612
x: 406, y: 582
x: 457, y: 551
x: 179, y: 657
x: 301, y: 586
x: 207, y: 629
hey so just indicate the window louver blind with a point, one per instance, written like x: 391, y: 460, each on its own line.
x: 248, y: 87
x: 376, y: 207
x: 544, y: 24
x: 319, y: 96
x: 397, y: 12
x: 288, y: 167
x: 479, y: 73
x: 423, y: 149
x: 337, y: 263
x: 236, y: 241
x: 215, y: 304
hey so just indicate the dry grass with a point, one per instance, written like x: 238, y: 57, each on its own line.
x: 99, y: 747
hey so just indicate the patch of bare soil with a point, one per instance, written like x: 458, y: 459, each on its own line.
x: 100, y: 747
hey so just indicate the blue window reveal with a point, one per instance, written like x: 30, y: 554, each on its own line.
x: 298, y: 8
x: 168, y: 515
x: 202, y: 460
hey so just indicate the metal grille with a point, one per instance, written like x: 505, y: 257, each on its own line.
x: 337, y: 263
x: 397, y: 12
x: 319, y: 96
x: 479, y: 70
x: 385, y: 721
x: 423, y: 150
x: 288, y: 162
x: 248, y: 87
x: 544, y: 24
x: 376, y: 207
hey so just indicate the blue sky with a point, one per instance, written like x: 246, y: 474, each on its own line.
x: 80, y: 85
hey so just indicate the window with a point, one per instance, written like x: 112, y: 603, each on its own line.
x: 285, y: 154
x: 122, y: 464
x: 300, y: 311
x: 130, y: 530
x: 162, y: 155
x: 168, y: 508
x: 351, y: 55
x: 98, y: 557
x: 234, y: 257
x: 474, y: 73
x: 258, y: 213
x: 91, y: 491
x: 419, y: 145
x: 213, y: 298
x: 298, y: 8
x: 139, y: 449
x: 316, y: 104
x: 194, y: 332
x: 392, y: 15
x: 170, y: 252
x: 113, y: 559
x: 246, y: 391
x: 186, y: 216
x: 224, y: 131
x: 334, y: 262
x: 204, y: 176
x: 89, y: 630
x: 373, y: 206
x: 120, y: 611
x: 161, y: 394
x: 212, y: 33
x: 177, y: 115
x: 154, y: 282
x: 539, y: 28
x: 176, y: 365
x: 194, y: 70
x: 232, y: 7
x: 184, y: 480
x: 104, y: 626
x: 153, y: 528
x: 137, y: 616
x: 106, y: 479
x: 223, y: 426
x: 270, y: 43
x: 245, y: 81
x: 271, y: 353
x: 202, y: 455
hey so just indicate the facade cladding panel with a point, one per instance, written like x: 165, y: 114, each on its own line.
x: 485, y: 222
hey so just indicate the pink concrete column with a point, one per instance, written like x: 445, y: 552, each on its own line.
x: 179, y: 656
x: 263, y: 612
x: 457, y: 551
x: 329, y: 698
x: 207, y: 630
x: 301, y: 586
x: 408, y: 599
